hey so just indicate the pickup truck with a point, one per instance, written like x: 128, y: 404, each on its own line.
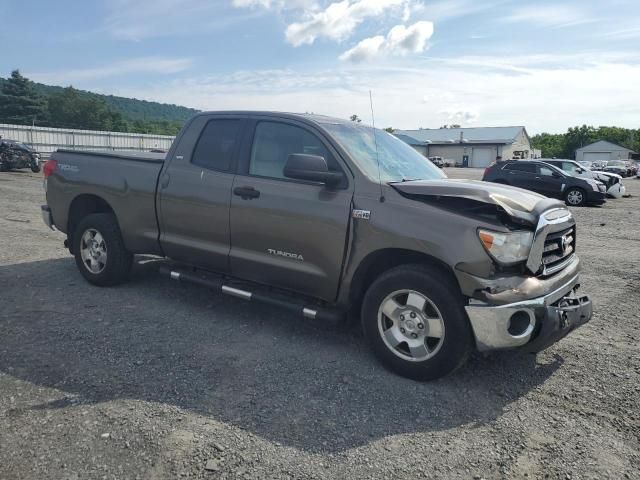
x: 331, y: 220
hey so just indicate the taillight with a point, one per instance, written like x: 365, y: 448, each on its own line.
x: 49, y: 168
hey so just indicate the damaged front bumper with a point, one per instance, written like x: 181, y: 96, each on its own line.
x: 533, y: 324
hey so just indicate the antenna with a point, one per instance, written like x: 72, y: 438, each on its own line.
x: 375, y: 140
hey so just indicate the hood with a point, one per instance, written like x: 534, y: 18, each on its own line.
x: 516, y: 202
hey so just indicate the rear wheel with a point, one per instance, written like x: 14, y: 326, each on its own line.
x: 414, y: 320
x: 99, y: 250
x: 576, y: 197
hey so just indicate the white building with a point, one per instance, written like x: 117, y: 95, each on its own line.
x: 603, y: 150
x: 472, y: 147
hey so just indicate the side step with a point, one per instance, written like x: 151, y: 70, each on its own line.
x: 217, y: 283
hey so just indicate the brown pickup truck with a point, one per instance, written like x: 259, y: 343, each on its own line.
x: 330, y: 219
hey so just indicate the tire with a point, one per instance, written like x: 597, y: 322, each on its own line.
x: 440, y: 345
x: 108, y: 253
x: 576, y: 197
x: 35, y: 168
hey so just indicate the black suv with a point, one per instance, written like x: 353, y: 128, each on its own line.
x: 547, y: 180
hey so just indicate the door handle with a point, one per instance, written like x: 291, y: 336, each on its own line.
x: 246, y: 193
x: 165, y: 180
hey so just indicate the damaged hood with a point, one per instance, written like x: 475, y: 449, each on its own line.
x: 516, y: 202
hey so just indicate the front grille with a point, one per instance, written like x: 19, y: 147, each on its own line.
x: 559, y: 248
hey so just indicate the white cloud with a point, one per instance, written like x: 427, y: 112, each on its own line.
x: 338, y: 20
x: 460, y: 116
x: 549, y: 15
x: 545, y: 95
x: 400, y: 40
x: 148, y: 65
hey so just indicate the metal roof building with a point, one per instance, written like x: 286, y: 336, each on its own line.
x: 473, y: 147
x: 604, y: 150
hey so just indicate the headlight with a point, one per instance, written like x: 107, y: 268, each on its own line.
x: 507, y: 248
x: 594, y: 185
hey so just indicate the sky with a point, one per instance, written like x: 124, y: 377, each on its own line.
x: 547, y: 65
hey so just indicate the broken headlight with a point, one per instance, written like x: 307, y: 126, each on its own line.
x: 507, y: 248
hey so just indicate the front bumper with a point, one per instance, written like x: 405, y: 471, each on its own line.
x: 596, y: 198
x: 534, y: 323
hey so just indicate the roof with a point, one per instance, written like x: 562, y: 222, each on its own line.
x: 603, y: 145
x: 408, y: 140
x: 504, y: 135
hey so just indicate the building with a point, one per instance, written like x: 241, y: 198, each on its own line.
x: 604, y: 150
x: 470, y: 147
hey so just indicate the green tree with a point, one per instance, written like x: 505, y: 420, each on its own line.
x: 389, y: 129
x: 552, y: 145
x: 355, y: 118
x: 20, y: 103
x: 72, y: 109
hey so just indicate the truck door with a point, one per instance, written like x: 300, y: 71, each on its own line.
x: 195, y: 192
x: 286, y: 232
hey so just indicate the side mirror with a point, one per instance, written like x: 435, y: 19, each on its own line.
x: 312, y: 168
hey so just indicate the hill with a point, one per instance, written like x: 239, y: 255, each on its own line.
x: 131, y: 108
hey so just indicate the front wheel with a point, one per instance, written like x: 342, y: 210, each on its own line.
x: 576, y: 197
x: 414, y: 320
x: 99, y: 250
x: 35, y: 167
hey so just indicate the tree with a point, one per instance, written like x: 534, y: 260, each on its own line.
x: 453, y: 125
x: 389, y: 129
x: 72, y: 109
x: 20, y: 103
x: 355, y: 118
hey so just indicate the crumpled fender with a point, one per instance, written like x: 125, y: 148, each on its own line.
x: 516, y: 202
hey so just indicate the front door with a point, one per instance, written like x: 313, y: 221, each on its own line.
x: 195, y: 193
x: 285, y: 232
x: 550, y: 182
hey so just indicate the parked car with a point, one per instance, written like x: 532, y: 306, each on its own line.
x: 547, y: 180
x: 598, y: 165
x: 620, y: 167
x: 15, y: 155
x: 612, y: 181
x: 437, y: 161
x: 324, y: 217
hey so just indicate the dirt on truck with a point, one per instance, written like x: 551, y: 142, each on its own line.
x: 330, y: 219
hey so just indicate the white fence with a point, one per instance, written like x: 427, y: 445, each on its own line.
x: 47, y: 140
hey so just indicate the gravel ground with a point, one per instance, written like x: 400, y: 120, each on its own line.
x: 158, y: 380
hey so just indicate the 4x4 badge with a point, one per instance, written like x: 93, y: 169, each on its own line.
x: 363, y: 214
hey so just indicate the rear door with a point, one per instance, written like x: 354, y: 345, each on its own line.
x: 284, y: 232
x: 195, y: 192
x: 521, y: 174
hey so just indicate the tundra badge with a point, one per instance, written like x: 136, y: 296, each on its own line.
x: 363, y: 214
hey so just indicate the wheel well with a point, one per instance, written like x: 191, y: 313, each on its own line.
x: 84, y: 205
x: 376, y: 263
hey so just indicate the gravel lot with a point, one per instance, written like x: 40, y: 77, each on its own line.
x: 158, y: 380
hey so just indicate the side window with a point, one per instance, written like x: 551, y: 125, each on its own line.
x: 521, y: 167
x: 568, y: 167
x: 546, y: 171
x: 273, y: 143
x: 216, y: 145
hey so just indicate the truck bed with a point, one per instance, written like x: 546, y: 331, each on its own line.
x: 125, y: 180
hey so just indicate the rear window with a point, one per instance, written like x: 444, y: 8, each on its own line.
x: 521, y: 167
x: 216, y: 145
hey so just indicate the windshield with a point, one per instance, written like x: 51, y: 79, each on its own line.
x: 398, y: 161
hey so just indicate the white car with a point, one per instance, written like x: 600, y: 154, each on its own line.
x: 613, y: 181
